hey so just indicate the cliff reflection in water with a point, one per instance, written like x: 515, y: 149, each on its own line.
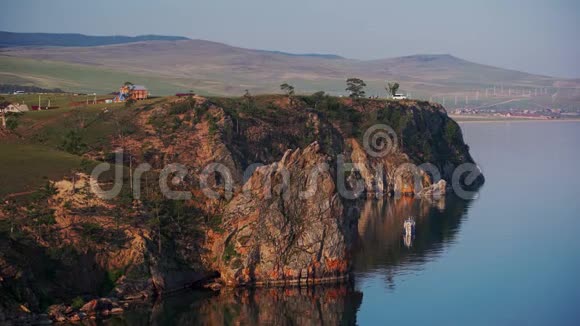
x: 320, y: 305
x: 382, y: 247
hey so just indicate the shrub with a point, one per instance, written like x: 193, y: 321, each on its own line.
x: 73, y: 143
x: 180, y: 108
x: 128, y: 128
x: 11, y: 123
x: 110, y: 281
x: 157, y: 122
x: 46, y: 218
x: 215, y: 222
x: 176, y: 123
x: 451, y: 131
x: 213, y: 127
x: 229, y: 252
x: 45, y: 192
x: 77, y: 303
x: 91, y: 230
x: 129, y: 102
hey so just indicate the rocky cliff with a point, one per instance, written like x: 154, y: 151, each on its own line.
x: 283, y: 203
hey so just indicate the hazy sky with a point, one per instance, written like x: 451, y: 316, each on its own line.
x: 538, y: 36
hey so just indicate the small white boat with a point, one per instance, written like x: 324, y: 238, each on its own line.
x: 409, y: 226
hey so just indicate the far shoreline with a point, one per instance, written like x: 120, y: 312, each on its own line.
x: 483, y: 120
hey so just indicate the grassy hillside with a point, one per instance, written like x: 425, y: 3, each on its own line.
x: 26, y: 167
x: 48, y: 144
x: 76, y: 77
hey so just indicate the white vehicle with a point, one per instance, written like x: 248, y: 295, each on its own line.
x: 399, y: 97
x: 18, y: 92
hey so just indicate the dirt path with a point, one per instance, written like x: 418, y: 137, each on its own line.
x: 18, y: 194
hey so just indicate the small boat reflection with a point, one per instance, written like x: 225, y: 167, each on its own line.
x: 409, y: 226
x: 408, y: 240
x: 409, y: 231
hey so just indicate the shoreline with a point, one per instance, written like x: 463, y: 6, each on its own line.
x: 484, y: 120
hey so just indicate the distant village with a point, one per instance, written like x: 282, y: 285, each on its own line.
x: 127, y: 92
x: 540, y: 114
x: 515, y: 113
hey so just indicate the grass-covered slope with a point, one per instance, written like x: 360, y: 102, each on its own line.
x: 26, y: 167
x: 81, y: 78
x: 48, y: 145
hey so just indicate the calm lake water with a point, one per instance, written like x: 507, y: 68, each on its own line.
x: 509, y: 257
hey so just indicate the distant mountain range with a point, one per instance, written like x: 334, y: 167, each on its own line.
x: 176, y: 64
x: 10, y: 39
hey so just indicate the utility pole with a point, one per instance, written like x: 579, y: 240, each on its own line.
x: 39, y: 102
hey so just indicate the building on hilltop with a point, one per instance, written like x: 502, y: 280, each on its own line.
x: 140, y: 92
x: 16, y: 108
x: 136, y: 92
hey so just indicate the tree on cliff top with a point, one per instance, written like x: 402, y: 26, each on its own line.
x: 288, y: 89
x: 392, y: 88
x: 317, y: 98
x: 356, y: 87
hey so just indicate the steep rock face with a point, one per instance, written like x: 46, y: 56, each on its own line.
x: 394, y: 173
x: 423, y: 146
x: 287, y: 234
